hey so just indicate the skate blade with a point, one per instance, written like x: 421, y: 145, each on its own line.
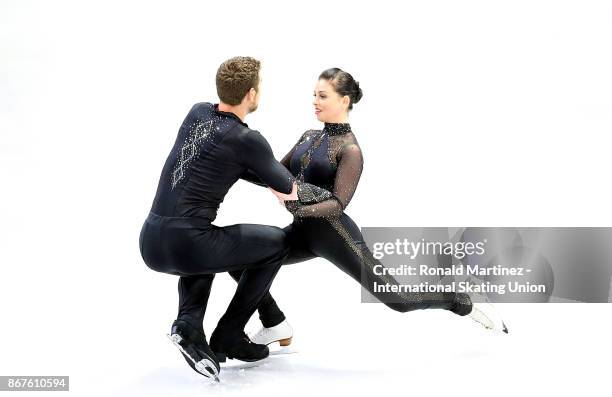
x: 201, y: 366
x: 283, y: 350
x: 223, y: 359
x: 233, y: 364
x: 503, y: 330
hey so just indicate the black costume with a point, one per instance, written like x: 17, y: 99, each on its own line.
x: 331, y: 159
x: 212, y: 151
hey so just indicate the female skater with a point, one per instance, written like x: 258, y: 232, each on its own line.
x: 331, y: 158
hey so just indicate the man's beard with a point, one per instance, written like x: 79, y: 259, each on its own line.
x: 253, y: 108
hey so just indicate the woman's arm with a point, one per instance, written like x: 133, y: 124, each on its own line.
x: 350, y: 166
x: 262, y: 167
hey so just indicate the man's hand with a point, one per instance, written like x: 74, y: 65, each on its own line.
x: 282, y: 197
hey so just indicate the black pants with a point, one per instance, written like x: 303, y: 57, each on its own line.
x: 195, y: 250
x: 339, y: 241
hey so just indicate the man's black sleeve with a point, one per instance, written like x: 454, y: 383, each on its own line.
x: 251, y: 177
x: 256, y: 155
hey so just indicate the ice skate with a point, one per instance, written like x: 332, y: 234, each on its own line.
x: 486, y: 315
x: 281, y: 333
x: 192, y: 345
x: 241, y: 348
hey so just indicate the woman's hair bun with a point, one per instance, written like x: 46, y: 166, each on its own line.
x: 343, y: 83
x: 358, y: 93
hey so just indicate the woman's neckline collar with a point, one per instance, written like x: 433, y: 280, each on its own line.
x: 337, y: 128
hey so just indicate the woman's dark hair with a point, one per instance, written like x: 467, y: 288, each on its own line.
x: 343, y: 83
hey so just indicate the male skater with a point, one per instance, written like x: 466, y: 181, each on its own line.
x: 214, y: 148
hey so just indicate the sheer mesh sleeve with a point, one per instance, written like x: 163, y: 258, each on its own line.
x: 350, y: 166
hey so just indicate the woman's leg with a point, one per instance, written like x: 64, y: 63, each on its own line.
x: 340, y: 241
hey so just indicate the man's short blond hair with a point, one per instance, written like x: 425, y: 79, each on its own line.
x: 235, y: 77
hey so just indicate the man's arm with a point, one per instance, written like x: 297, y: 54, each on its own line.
x: 251, y: 177
x: 256, y: 155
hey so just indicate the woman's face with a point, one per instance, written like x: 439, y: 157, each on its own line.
x: 329, y: 106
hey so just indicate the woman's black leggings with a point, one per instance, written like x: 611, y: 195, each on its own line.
x: 339, y: 241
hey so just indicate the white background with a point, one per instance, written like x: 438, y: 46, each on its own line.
x: 475, y: 113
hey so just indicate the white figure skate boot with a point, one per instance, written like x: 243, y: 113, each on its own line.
x: 281, y: 333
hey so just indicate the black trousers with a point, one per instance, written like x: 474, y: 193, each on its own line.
x: 339, y: 240
x: 195, y: 250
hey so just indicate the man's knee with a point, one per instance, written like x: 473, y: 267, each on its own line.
x: 279, y: 241
x: 273, y: 243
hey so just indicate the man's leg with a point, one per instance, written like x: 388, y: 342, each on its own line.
x: 269, y: 312
x: 193, y: 298
x: 187, y: 331
x: 252, y: 286
x: 258, y: 252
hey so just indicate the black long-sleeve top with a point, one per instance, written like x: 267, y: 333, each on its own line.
x: 330, y: 159
x: 212, y: 150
